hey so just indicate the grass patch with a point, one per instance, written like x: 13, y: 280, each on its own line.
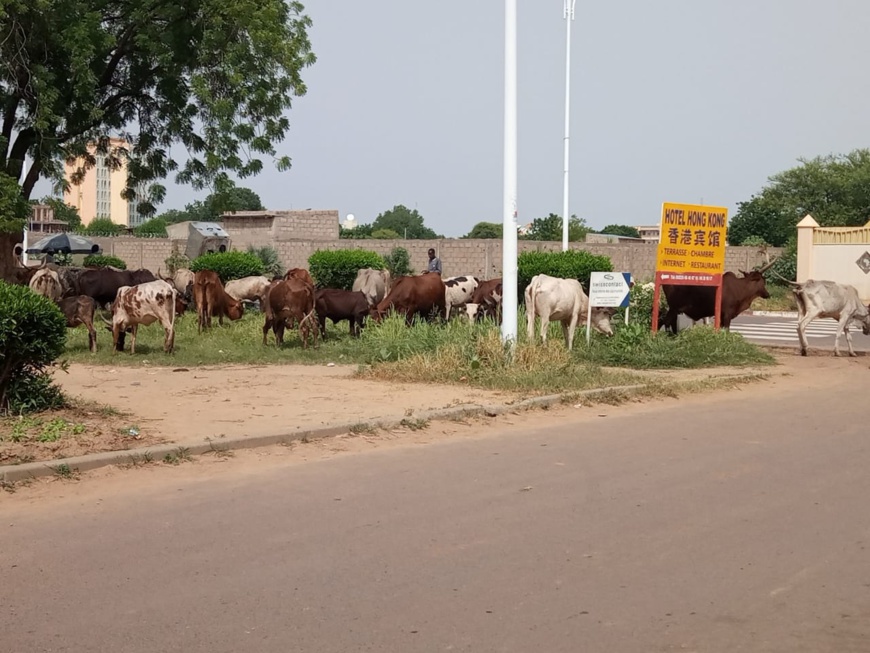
x: 64, y: 471
x: 34, y: 429
x: 781, y: 299
x: 180, y: 455
x: 363, y: 428
x: 414, y: 423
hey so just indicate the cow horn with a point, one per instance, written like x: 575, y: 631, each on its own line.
x: 160, y: 276
x: 769, y: 265
x: 105, y: 320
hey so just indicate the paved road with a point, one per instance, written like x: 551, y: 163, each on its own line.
x: 783, y: 331
x: 738, y: 523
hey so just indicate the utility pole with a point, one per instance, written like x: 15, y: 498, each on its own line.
x: 509, y: 236
x: 569, y: 18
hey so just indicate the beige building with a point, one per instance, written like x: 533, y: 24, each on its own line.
x: 42, y: 221
x: 99, y: 194
x: 649, y: 233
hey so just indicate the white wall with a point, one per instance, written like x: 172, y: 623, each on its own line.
x: 838, y: 263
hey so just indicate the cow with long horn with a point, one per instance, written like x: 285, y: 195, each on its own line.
x: 698, y: 302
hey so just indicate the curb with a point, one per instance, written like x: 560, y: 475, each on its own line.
x: 812, y: 351
x: 87, y: 462
x: 771, y: 313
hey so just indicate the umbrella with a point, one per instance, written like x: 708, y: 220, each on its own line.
x: 64, y: 243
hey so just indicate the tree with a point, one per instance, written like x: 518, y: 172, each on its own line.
x: 550, y: 228
x: 232, y: 198
x: 405, y: 222
x: 485, y: 230
x: 153, y: 227
x: 621, y: 230
x: 173, y: 216
x: 835, y: 189
x: 215, y: 76
x: 385, y: 234
x: 359, y: 232
x: 62, y: 211
x: 102, y: 227
x: 13, y: 215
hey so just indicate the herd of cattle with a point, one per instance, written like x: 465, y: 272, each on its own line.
x: 137, y: 297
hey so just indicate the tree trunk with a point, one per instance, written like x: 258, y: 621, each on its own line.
x: 8, y: 262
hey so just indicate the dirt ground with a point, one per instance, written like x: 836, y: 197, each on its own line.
x: 793, y: 372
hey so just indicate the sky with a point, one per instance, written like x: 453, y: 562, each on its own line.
x: 676, y: 100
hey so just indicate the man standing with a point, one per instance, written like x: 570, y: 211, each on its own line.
x: 434, y: 263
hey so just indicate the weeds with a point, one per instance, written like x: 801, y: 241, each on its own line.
x: 180, y: 455
x: 414, y: 424
x: 140, y: 460
x: 64, y: 471
x: 220, y: 452
x: 363, y: 428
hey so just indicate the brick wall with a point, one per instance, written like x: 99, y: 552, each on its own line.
x: 480, y: 258
x: 261, y: 228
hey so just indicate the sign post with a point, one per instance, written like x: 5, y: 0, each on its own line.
x: 607, y: 290
x: 691, y: 251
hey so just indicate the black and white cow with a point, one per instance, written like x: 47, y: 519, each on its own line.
x: 459, y: 291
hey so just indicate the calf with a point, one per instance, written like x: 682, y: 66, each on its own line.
x: 81, y: 310
x: 486, y: 301
x: 47, y: 283
x: 211, y: 299
x: 291, y: 299
x: 144, y: 304
x: 830, y: 299
x: 458, y: 291
x: 563, y: 300
x: 338, y: 305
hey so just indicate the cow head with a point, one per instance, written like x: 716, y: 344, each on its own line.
x: 235, y: 308
x: 601, y: 320
x: 472, y: 311
x: 181, y: 304
x: 754, y: 284
x: 865, y: 322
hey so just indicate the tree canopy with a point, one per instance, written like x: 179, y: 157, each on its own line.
x: 834, y: 189
x: 405, y: 222
x: 550, y: 228
x: 215, y: 76
x: 233, y: 198
x: 621, y: 230
x: 485, y: 230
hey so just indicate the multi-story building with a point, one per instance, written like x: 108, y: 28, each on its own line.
x: 99, y: 193
x: 649, y: 233
x: 42, y: 220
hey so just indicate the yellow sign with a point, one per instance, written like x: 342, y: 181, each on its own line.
x: 692, y: 239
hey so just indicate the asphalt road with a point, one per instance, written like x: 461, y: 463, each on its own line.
x: 732, y: 523
x: 782, y: 331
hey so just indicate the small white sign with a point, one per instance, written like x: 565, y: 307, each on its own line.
x: 609, y: 289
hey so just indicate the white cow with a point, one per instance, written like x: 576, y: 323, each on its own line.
x: 145, y: 304
x: 374, y: 284
x: 553, y: 298
x: 249, y: 289
x: 182, y: 281
x: 458, y: 291
x: 830, y: 299
x: 46, y: 282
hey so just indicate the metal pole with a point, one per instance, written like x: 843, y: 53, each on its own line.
x: 509, y: 237
x: 569, y: 17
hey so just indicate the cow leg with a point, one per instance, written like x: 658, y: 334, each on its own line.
x: 802, y: 336
x: 92, y: 337
x: 168, y: 336
x: 568, y: 329
x: 133, y: 331
x: 278, y: 328
x: 545, y: 326
x: 321, y: 320
x: 117, y: 339
x: 266, y: 326
x: 849, y: 339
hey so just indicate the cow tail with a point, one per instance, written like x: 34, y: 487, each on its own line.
x: 531, y: 295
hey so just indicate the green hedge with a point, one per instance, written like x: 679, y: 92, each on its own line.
x: 229, y: 265
x: 572, y: 264
x: 100, y: 261
x: 338, y: 268
x: 32, y: 336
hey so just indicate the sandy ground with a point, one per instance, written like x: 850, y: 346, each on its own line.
x: 792, y: 373
x: 199, y: 403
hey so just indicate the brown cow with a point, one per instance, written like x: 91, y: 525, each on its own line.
x: 419, y: 295
x: 291, y: 299
x: 81, y: 310
x: 300, y: 273
x: 211, y: 299
x: 486, y: 301
x: 338, y: 305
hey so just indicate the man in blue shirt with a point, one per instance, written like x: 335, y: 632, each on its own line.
x: 434, y: 262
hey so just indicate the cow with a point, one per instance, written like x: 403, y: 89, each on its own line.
x: 820, y: 299
x: 299, y: 273
x: 182, y: 280
x: 47, y: 283
x: 338, y: 305
x: 486, y: 301
x: 145, y: 303
x: 553, y: 298
x: 250, y: 289
x: 69, y: 280
x: 374, y: 284
x: 698, y: 302
x: 458, y: 291
x: 290, y: 299
x: 102, y: 284
x: 421, y: 295
x: 211, y: 299
x: 80, y: 310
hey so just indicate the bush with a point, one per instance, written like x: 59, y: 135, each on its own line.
x: 32, y: 335
x: 155, y: 227
x: 398, y: 262
x: 785, y: 266
x: 229, y: 265
x: 338, y: 268
x: 566, y: 265
x: 102, y: 227
x: 100, y: 261
x: 270, y: 259
x: 176, y: 260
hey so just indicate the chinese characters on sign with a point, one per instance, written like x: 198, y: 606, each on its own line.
x: 693, y: 241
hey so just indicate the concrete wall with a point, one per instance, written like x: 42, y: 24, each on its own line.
x: 481, y: 258
x: 260, y: 228
x: 839, y: 263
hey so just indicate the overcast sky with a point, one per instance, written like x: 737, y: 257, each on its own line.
x: 675, y: 100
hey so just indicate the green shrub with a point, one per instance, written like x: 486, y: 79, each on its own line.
x: 32, y: 336
x: 398, y: 262
x: 785, y: 266
x: 270, y: 259
x: 573, y: 264
x: 338, y: 268
x: 102, y: 227
x: 155, y: 227
x: 176, y: 260
x: 100, y: 261
x: 229, y: 265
